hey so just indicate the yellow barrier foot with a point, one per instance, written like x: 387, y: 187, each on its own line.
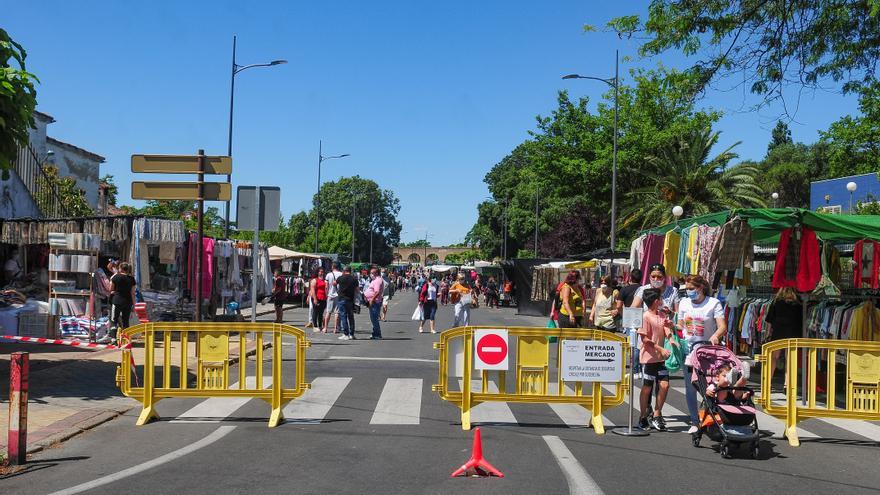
x: 598, y: 426
x: 791, y: 434
x: 147, y: 415
x: 276, y: 418
x: 466, y: 420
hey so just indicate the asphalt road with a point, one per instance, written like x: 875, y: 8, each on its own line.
x: 349, y: 450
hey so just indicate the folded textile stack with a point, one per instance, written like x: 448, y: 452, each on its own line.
x: 74, y: 241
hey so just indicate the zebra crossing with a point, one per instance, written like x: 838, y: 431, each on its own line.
x: 400, y: 402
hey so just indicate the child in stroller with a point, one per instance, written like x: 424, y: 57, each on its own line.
x: 727, y: 414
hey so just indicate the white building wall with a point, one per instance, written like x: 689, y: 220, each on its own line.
x: 81, y: 168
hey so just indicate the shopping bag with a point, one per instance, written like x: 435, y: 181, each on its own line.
x: 676, y: 356
x: 418, y: 313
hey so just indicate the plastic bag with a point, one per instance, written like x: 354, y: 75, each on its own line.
x: 676, y: 357
x: 418, y: 314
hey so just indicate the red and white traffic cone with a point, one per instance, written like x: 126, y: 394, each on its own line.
x: 480, y: 466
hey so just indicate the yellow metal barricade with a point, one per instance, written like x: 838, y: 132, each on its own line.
x: 535, y: 372
x: 859, y: 397
x: 209, y: 353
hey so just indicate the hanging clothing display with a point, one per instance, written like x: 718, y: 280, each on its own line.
x: 844, y: 320
x: 705, y: 243
x: 684, y: 261
x: 797, y: 260
x: 653, y: 253
x: 636, y: 249
x: 671, y: 247
x: 867, y: 269
x: 733, y: 248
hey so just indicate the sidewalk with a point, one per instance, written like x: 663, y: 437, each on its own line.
x: 72, y: 390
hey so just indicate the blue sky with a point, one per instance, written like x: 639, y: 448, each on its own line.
x: 426, y: 96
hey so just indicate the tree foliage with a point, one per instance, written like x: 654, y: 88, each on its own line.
x: 74, y: 198
x: 854, y: 142
x: 766, y: 45
x: 18, y: 99
x: 682, y: 174
x: 780, y: 135
x: 112, y: 190
x: 375, y: 211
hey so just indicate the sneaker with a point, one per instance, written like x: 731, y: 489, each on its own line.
x: 433, y: 331
x: 692, y: 430
x: 421, y: 331
x: 352, y: 337
x: 316, y: 329
x: 342, y: 337
x: 658, y: 423
x: 643, y: 424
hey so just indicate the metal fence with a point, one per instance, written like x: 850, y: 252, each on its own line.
x: 39, y: 184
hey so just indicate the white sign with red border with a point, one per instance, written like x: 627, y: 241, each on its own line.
x: 490, y: 349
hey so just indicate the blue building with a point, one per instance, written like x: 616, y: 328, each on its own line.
x: 832, y: 194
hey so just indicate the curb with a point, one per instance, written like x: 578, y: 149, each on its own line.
x: 52, y: 438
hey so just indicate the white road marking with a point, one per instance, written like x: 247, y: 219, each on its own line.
x: 364, y: 358
x: 489, y: 412
x: 125, y: 473
x: 315, y: 403
x: 215, y: 409
x: 400, y: 402
x: 579, y: 481
x: 573, y: 415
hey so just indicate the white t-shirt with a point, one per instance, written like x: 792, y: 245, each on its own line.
x: 330, y: 278
x: 432, y: 292
x: 698, y: 320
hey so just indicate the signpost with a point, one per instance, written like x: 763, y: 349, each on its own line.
x: 592, y: 361
x: 199, y: 164
x: 632, y: 321
x: 258, y: 208
x: 490, y: 349
x: 632, y: 317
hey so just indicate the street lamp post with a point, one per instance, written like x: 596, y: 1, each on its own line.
x: 235, y: 70
x: 353, y: 210
x: 372, y: 208
x: 851, y: 187
x: 322, y: 159
x: 614, y: 84
x: 536, y: 223
x: 775, y: 197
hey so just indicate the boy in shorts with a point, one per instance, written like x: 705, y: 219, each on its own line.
x: 656, y: 328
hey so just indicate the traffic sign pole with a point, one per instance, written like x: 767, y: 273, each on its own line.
x: 200, y: 245
x: 629, y: 432
x: 254, y: 256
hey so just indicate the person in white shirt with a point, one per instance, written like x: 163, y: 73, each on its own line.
x: 332, y: 298
x: 701, y: 320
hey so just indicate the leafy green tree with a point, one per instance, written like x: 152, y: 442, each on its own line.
x: 775, y: 44
x: 854, y: 142
x: 74, y: 198
x: 781, y: 135
x: 18, y: 100
x: 112, y: 189
x: 870, y: 206
x: 335, y: 237
x: 363, y: 196
x: 419, y: 243
x: 682, y: 174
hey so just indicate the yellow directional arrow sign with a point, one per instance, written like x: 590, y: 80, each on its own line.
x: 180, y: 164
x: 213, y: 191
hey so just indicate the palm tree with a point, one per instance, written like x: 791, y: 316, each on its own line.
x: 682, y: 174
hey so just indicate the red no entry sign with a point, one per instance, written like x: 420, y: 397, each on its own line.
x: 490, y: 349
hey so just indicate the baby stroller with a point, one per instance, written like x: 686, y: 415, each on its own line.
x: 731, y: 421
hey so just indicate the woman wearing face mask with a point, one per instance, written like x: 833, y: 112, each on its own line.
x: 606, y: 305
x: 668, y: 294
x: 701, y: 320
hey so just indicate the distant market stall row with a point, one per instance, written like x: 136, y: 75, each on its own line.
x: 56, y: 275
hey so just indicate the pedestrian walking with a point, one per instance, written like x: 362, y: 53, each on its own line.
x: 386, y: 293
x: 786, y: 317
x: 279, y: 295
x: 701, y: 320
x: 656, y: 328
x: 572, y: 297
x: 444, y: 291
x: 428, y: 300
x: 318, y: 297
x: 331, y: 311
x: 122, y: 287
x: 492, y: 293
x: 462, y: 298
x: 373, y: 296
x: 347, y: 289
x: 606, y: 305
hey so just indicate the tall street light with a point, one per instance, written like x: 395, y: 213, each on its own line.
x: 775, y: 197
x: 851, y: 187
x: 235, y: 70
x: 613, y: 82
x: 321, y: 159
x: 536, y: 223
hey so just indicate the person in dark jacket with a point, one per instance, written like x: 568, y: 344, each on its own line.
x: 786, y: 319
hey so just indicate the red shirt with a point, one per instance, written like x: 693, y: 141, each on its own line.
x: 320, y: 289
